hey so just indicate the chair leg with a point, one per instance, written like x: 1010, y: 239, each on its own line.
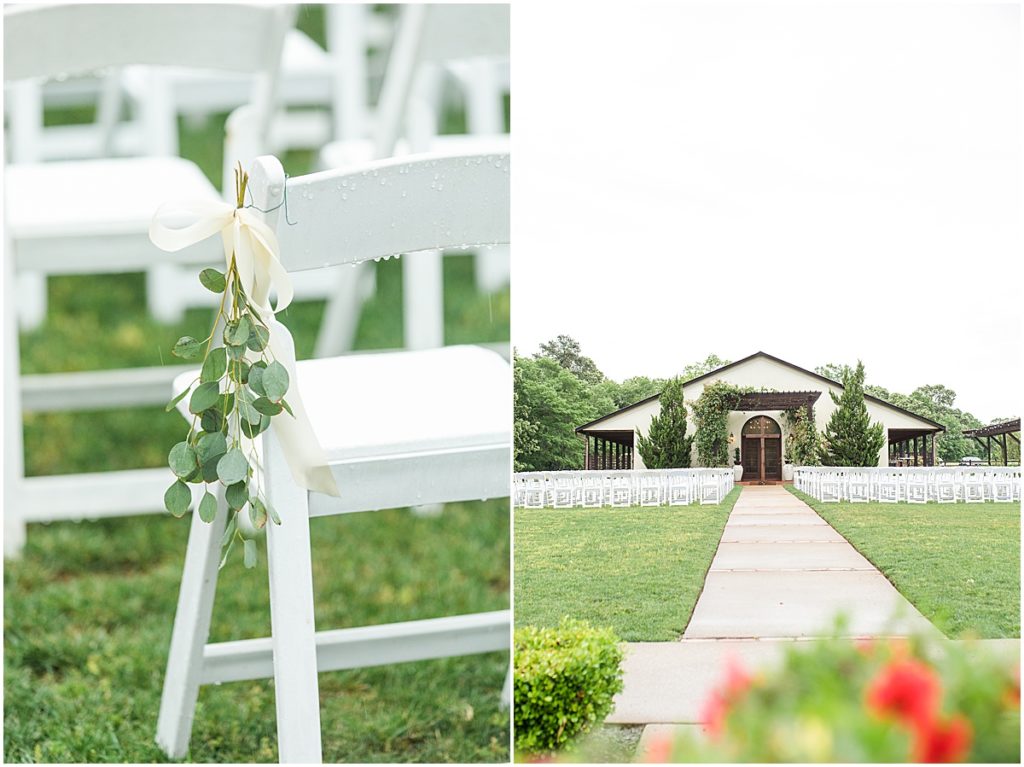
x: 506, y: 689
x: 191, y: 630
x: 14, y: 457
x: 289, y: 561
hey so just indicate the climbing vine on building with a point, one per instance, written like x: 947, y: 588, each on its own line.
x: 802, y: 440
x: 711, y: 417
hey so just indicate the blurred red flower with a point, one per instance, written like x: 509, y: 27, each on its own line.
x: 942, y: 741
x: 737, y: 681
x: 659, y: 751
x: 906, y: 689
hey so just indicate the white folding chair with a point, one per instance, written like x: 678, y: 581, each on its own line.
x: 858, y: 486
x: 917, y: 486
x: 710, y: 488
x: 651, y: 488
x: 945, y: 486
x: 831, y: 487
x: 428, y: 38
x: 535, y: 492
x: 621, y: 491
x: 680, y: 488
x: 389, y: 444
x: 888, y: 487
x: 564, y: 491
x: 973, y: 487
x: 1001, y: 487
x: 93, y: 216
x: 594, y: 491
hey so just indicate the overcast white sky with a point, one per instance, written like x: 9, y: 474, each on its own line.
x: 820, y: 183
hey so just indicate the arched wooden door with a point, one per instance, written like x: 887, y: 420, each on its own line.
x: 762, y: 449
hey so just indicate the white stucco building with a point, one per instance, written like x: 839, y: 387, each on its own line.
x: 758, y: 427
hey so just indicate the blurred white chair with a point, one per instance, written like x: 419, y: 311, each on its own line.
x: 858, y: 486
x: 428, y: 38
x: 945, y: 486
x: 710, y: 488
x: 621, y: 490
x: 1001, y: 487
x: 889, y: 486
x: 564, y: 491
x: 388, y: 444
x: 651, y: 489
x: 594, y: 490
x: 680, y: 489
x: 917, y: 486
x: 973, y: 486
x: 831, y: 486
x: 533, y: 497
x: 93, y: 216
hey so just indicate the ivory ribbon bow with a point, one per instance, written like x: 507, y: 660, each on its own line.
x: 255, y: 250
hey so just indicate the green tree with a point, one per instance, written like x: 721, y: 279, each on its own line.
x: 566, y: 351
x: 637, y: 388
x: 697, y: 369
x: 524, y: 429
x: 666, y: 445
x: 850, y: 438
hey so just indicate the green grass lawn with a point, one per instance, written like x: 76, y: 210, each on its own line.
x: 959, y: 564
x: 88, y: 610
x: 637, y: 570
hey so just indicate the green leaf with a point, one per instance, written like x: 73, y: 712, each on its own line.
x: 210, y: 446
x: 209, y: 470
x: 212, y: 280
x: 254, y: 430
x: 237, y: 495
x: 250, y: 553
x: 227, y: 549
x: 177, y: 498
x: 236, y: 332
x: 233, y: 467
x: 267, y: 407
x: 182, y: 460
x: 239, y: 371
x: 273, y: 514
x: 213, y: 420
x: 207, y: 507
x: 235, y: 352
x: 214, y: 366
x: 229, y: 531
x: 257, y: 513
x: 256, y: 379
x: 246, y: 409
x: 174, y: 402
x: 288, y: 408
x: 203, y: 398
x: 258, y: 338
x: 275, y: 381
x: 187, y: 348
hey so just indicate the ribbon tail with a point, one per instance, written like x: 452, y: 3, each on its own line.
x: 302, y: 450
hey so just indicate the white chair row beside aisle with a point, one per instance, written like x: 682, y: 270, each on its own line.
x: 938, y: 484
x: 597, y: 489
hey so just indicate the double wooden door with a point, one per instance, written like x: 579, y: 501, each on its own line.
x: 762, y: 450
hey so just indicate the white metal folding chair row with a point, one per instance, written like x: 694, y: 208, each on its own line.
x: 93, y: 216
x: 388, y: 444
x: 641, y: 487
x: 939, y: 484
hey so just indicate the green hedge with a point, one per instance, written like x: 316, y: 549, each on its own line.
x: 565, y: 679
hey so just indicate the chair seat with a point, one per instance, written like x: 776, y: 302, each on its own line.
x: 97, y: 197
x: 340, y: 154
x: 396, y: 403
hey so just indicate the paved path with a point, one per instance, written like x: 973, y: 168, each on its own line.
x: 780, y: 575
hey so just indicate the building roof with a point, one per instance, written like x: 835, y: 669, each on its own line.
x: 755, y: 355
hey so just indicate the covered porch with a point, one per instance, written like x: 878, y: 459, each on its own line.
x: 912, y: 447
x: 608, y: 450
x: 1001, y: 434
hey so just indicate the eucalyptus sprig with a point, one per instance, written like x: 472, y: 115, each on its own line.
x: 239, y: 389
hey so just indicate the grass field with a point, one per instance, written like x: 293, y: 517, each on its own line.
x: 89, y: 608
x: 958, y: 564
x: 637, y: 570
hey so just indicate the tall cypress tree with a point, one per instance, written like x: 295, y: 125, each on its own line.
x: 666, y: 445
x: 850, y: 437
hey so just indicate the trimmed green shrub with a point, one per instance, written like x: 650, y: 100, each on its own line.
x: 565, y: 679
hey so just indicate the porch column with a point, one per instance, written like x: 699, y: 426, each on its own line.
x: 586, y: 452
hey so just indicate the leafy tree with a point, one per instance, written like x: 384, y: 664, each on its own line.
x: 697, y: 369
x: 634, y: 389
x: 666, y: 445
x: 850, y: 438
x: 566, y: 351
x: 554, y: 402
x: 524, y: 429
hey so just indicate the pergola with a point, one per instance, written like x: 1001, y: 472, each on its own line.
x: 1005, y: 430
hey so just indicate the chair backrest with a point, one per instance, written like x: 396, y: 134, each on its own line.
x: 59, y: 40
x: 390, y: 207
x: 434, y: 34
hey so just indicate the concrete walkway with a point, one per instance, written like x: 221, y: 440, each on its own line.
x: 781, y: 574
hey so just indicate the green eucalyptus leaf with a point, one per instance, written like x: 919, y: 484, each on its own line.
x: 287, y: 408
x: 254, y: 430
x: 275, y: 381
x: 257, y: 513
x: 229, y: 531
x: 232, y: 467
x: 209, y: 470
x: 258, y: 338
x: 177, y: 498
x: 212, y: 280
x: 174, y: 402
x: 196, y: 477
x: 207, y: 507
x: 227, y: 551
x: 236, y: 332
x: 267, y: 407
x: 256, y: 379
x: 237, y: 495
x: 249, y: 413
x: 239, y: 371
x: 210, y: 446
x: 273, y: 514
x: 187, y: 348
x: 250, y: 553
x: 182, y: 460
x: 203, y: 398
x: 214, y: 366
x: 235, y: 353
x: 213, y: 420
